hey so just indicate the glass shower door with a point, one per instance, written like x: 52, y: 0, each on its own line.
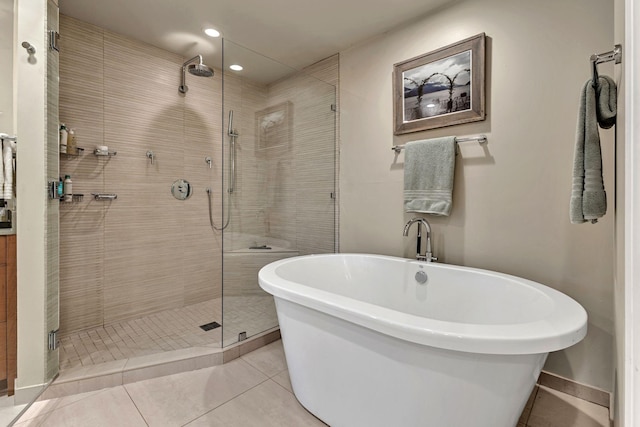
x: 278, y: 184
x: 52, y: 304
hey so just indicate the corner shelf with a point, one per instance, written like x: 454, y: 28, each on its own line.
x: 79, y: 151
x: 75, y: 198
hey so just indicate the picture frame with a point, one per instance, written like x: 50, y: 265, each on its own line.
x: 274, y: 126
x: 441, y: 88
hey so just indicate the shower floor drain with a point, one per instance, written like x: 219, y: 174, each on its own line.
x: 210, y: 326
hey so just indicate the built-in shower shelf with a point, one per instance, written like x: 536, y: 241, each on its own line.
x: 77, y: 152
x: 104, y: 153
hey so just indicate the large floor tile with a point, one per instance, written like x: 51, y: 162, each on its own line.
x: 180, y: 398
x: 110, y: 407
x: 269, y: 359
x: 44, y: 406
x: 266, y: 405
x: 8, y: 413
x: 284, y: 380
x: 552, y: 408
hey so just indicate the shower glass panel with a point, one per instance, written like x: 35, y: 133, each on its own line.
x: 278, y: 186
x: 140, y: 266
x: 52, y: 307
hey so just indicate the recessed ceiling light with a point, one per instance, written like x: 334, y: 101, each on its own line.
x: 212, y: 32
x: 236, y: 67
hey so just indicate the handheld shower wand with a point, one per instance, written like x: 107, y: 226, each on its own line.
x: 233, y: 134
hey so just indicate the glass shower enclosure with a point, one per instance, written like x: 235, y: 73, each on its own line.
x: 192, y: 182
x: 279, y: 177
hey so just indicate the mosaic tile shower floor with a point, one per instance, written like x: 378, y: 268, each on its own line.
x: 169, y: 330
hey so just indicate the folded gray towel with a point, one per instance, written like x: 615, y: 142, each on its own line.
x: 597, y: 106
x: 428, y: 175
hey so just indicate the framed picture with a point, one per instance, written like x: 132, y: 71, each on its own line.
x: 440, y: 88
x: 274, y: 126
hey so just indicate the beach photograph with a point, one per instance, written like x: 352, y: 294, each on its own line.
x: 437, y: 88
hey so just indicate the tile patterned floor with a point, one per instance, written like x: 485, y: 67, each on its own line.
x: 169, y: 330
x: 253, y: 390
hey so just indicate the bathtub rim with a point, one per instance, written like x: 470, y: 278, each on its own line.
x: 539, y: 336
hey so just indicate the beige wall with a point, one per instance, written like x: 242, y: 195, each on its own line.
x: 6, y: 71
x: 31, y: 222
x: 510, y: 209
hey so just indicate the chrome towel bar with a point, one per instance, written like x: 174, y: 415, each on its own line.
x: 481, y: 139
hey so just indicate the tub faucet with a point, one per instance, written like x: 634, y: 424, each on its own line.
x: 428, y: 256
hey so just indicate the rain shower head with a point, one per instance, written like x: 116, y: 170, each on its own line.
x: 198, y: 69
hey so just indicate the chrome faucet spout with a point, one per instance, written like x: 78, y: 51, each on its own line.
x: 428, y: 255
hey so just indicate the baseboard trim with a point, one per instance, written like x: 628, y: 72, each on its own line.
x: 570, y: 387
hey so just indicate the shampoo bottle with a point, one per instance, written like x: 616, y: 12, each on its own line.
x: 71, y: 142
x: 68, y: 189
x: 63, y: 138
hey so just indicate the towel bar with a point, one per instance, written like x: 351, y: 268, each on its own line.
x: 481, y: 139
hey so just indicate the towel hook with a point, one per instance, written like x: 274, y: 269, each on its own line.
x: 595, y: 77
x: 29, y: 47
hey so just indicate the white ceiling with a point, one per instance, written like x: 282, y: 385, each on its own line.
x: 293, y: 32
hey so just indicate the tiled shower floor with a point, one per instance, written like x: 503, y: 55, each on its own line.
x: 169, y: 330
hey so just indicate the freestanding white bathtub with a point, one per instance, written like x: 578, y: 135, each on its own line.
x: 367, y: 345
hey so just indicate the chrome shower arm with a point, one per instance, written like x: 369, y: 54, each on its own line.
x: 198, y: 57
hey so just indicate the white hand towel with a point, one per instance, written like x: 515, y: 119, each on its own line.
x: 7, y: 169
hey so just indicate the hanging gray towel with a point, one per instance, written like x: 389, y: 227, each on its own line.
x: 597, y: 107
x: 428, y: 175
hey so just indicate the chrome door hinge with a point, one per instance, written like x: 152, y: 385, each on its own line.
x: 53, y: 340
x: 54, y: 38
x: 332, y: 194
x: 334, y: 108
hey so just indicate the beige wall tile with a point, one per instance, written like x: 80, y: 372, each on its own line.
x: 146, y: 251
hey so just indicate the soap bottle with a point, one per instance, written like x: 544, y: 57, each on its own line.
x: 71, y: 142
x: 63, y: 138
x: 60, y: 189
x: 68, y: 188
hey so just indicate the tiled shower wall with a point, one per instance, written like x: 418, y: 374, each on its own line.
x: 147, y: 251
